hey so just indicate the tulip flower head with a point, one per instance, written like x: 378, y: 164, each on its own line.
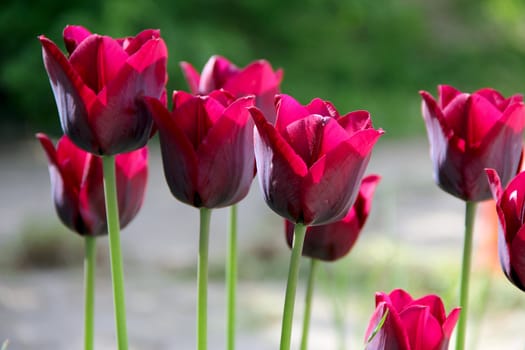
x: 400, y: 322
x: 471, y: 132
x: 311, y: 163
x: 77, y: 185
x: 258, y: 78
x: 510, y: 206
x: 98, y: 88
x: 207, y: 147
x: 333, y: 241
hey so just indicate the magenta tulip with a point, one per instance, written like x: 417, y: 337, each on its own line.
x: 207, y: 147
x: 410, y: 324
x: 333, y: 241
x: 510, y: 206
x: 311, y: 163
x: 77, y: 188
x: 471, y: 132
x: 99, y: 87
x: 258, y: 78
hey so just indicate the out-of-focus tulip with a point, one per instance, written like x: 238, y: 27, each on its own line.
x: 409, y: 324
x: 258, y: 78
x: 510, y: 206
x: 311, y: 163
x: 77, y: 185
x: 471, y: 132
x: 333, y: 241
x: 207, y: 147
x: 98, y: 88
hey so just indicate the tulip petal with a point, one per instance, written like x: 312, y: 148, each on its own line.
x: 512, y: 205
x: 482, y: 117
x: 178, y: 155
x: 333, y: 241
x: 151, y: 53
x: 435, y: 306
x: 453, y: 119
x: 256, y: 78
x: 435, y: 120
x: 497, y: 99
x: 448, y: 326
x: 196, y: 116
x: 225, y: 162
x: 280, y: 169
x: 288, y: 111
x: 495, y: 183
x: 314, y: 136
x: 192, y: 76
x: 216, y: 73
x: 179, y: 98
x: 72, y: 96
x: 446, y: 94
x: 48, y: 147
x: 363, y: 203
x: 517, y: 259
x: 355, y: 121
x: 424, y: 331
x: 503, y: 145
x: 72, y: 161
x: 97, y: 60
x: 63, y: 190
x: 136, y: 43
x: 91, y: 200
x: 391, y: 335
x: 336, y: 177
x: 398, y: 298
x: 321, y: 107
x: 132, y: 178
x: 73, y: 36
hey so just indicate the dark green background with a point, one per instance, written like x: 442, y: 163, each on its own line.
x: 372, y: 55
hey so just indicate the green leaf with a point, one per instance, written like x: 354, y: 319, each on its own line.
x: 378, y: 327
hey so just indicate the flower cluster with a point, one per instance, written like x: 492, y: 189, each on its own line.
x: 310, y: 161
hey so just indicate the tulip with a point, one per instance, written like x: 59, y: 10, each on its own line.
x: 77, y: 188
x: 99, y: 86
x: 206, y: 144
x: 400, y: 322
x: 471, y: 132
x: 333, y: 241
x: 310, y: 164
x: 258, y: 78
x: 511, y: 240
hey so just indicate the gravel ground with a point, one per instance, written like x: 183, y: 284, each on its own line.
x: 42, y: 308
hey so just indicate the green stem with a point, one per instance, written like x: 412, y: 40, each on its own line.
x: 308, y: 303
x: 202, y: 279
x: 231, y: 279
x: 89, y: 291
x: 291, y: 286
x: 115, y: 254
x: 465, y: 275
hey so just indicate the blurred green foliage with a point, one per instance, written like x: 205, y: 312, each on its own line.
x: 359, y: 54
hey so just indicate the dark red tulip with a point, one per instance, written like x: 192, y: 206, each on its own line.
x: 410, y: 324
x: 510, y: 206
x: 311, y: 163
x: 207, y: 147
x: 471, y: 132
x: 78, y: 190
x: 99, y: 86
x: 333, y: 241
x: 258, y: 78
